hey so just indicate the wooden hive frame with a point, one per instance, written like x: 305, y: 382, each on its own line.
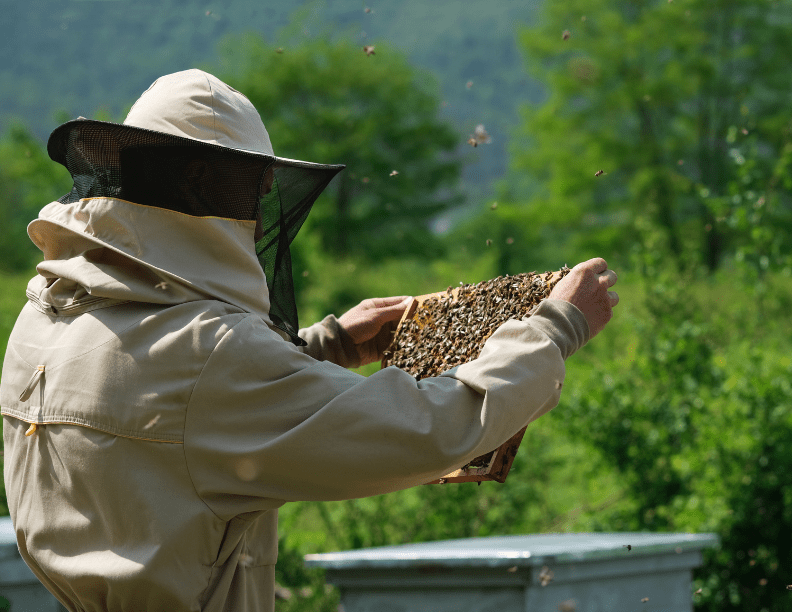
x: 496, y: 464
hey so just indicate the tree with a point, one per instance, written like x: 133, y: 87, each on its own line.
x: 649, y: 91
x: 28, y: 181
x: 334, y: 102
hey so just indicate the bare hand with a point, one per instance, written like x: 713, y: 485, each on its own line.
x: 586, y: 287
x: 371, y: 324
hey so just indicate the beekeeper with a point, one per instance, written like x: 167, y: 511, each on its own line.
x: 159, y: 403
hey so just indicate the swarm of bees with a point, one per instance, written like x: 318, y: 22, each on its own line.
x: 450, y: 328
x: 447, y: 329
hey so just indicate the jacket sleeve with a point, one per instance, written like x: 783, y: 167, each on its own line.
x: 327, y: 341
x: 267, y: 423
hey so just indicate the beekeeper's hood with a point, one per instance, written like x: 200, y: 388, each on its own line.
x: 194, y: 145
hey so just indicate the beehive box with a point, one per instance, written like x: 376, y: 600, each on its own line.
x: 442, y: 330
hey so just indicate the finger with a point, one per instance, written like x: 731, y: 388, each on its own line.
x: 391, y: 301
x: 597, y: 264
x: 610, y: 277
x: 614, y: 298
x: 391, y: 312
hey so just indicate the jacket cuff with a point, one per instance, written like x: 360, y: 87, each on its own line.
x: 328, y: 341
x: 564, y: 323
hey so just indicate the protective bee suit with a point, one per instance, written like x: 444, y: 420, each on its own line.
x: 156, y: 416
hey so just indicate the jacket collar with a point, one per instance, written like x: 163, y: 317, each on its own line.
x: 118, y: 250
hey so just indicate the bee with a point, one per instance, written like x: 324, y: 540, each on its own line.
x: 599, y: 173
x: 627, y: 546
x: 698, y: 591
x: 566, y: 35
x: 481, y: 135
x: 394, y: 173
x: 163, y: 285
x: 369, y: 50
x: 472, y: 142
x: 367, y: 10
x: 245, y: 560
x: 469, y: 84
x: 644, y: 600
x: 489, y: 242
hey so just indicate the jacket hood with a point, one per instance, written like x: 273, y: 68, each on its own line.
x: 105, y: 248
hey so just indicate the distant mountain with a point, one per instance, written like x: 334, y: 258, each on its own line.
x: 82, y: 57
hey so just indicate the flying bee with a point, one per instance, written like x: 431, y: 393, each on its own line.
x: 369, y: 50
x: 566, y: 35
x: 481, y: 135
x: 599, y: 173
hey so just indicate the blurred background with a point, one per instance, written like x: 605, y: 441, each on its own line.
x: 484, y: 139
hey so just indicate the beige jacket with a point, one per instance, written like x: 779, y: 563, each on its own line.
x: 173, y: 421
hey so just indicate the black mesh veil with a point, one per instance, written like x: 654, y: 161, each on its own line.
x: 283, y: 211
x: 199, y: 179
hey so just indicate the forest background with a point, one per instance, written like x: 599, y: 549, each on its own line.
x: 677, y: 417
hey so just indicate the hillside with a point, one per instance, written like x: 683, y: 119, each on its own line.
x: 64, y: 59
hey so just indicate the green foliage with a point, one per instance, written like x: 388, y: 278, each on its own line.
x: 332, y: 102
x: 12, y: 299
x: 694, y: 414
x: 554, y: 485
x: 650, y: 92
x: 28, y: 181
x: 128, y: 49
x: 298, y: 588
